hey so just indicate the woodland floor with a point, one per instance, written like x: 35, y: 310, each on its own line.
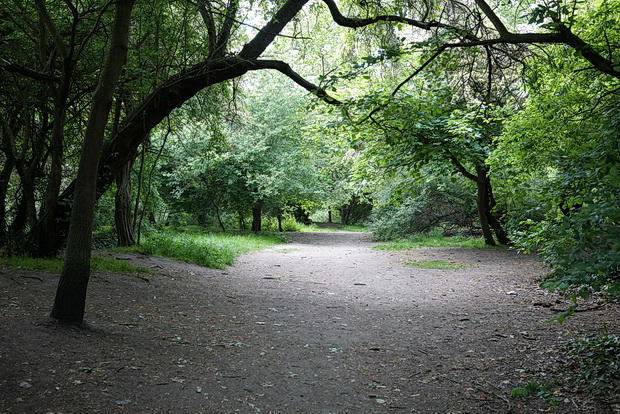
x: 321, y: 325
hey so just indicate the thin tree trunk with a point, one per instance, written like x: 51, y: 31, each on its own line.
x: 70, y: 300
x: 219, y: 217
x: 482, y: 202
x: 122, y: 208
x: 280, y: 221
x: 257, y: 218
x: 5, y: 177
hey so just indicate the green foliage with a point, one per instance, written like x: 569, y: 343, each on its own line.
x: 215, y: 250
x: 288, y: 224
x: 557, y: 169
x: 544, y: 390
x: 434, y: 239
x: 353, y: 227
x: 594, y: 365
x: 576, y: 225
x: 411, y: 208
x: 436, y: 264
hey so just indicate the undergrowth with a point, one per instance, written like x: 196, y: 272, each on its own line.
x: 433, y: 239
x: 97, y: 264
x: 594, y: 365
x: 215, y: 250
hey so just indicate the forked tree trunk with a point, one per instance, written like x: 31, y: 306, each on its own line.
x: 70, y: 300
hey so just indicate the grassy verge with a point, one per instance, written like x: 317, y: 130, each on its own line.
x: 436, y: 264
x: 421, y: 240
x: 215, y: 250
x: 98, y: 264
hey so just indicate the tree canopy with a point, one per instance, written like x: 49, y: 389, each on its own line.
x: 518, y: 97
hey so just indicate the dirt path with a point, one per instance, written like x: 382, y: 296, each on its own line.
x: 321, y: 325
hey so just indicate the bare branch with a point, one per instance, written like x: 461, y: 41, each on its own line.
x: 29, y: 73
x: 497, y: 23
x: 355, y: 22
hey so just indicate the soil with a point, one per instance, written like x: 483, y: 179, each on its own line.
x: 321, y: 325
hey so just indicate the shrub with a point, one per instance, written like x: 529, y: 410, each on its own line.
x: 595, y: 365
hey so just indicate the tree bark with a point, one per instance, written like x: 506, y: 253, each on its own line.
x: 5, y: 177
x: 122, y: 208
x: 482, y: 202
x: 70, y: 300
x: 257, y: 218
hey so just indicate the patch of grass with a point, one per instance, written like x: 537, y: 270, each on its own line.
x: 286, y: 250
x: 421, y: 240
x: 98, y: 264
x: 360, y: 229
x: 544, y: 390
x: 436, y: 264
x: 314, y: 228
x: 215, y: 250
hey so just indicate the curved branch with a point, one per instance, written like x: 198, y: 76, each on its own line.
x: 354, y: 22
x: 286, y: 70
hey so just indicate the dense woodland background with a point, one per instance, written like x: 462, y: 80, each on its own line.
x: 497, y: 119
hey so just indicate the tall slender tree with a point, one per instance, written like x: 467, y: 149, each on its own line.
x: 70, y: 300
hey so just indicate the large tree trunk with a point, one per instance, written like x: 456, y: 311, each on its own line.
x: 122, y: 208
x: 70, y: 300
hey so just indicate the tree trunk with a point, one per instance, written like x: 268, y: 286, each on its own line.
x: 70, y: 300
x: 329, y: 215
x: 122, y: 208
x: 500, y: 233
x: 280, y: 221
x: 5, y: 177
x: 256, y: 218
x: 482, y: 202
x: 218, y: 215
x: 241, y: 221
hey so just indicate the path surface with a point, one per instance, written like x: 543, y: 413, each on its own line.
x: 321, y: 325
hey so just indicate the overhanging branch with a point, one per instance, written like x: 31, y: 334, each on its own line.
x: 286, y: 70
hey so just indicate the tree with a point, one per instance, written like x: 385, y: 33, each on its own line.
x: 70, y: 298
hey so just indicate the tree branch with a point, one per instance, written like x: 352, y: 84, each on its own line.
x: 29, y: 73
x: 286, y: 70
x: 354, y: 22
x: 265, y: 37
x: 461, y: 168
x: 495, y: 20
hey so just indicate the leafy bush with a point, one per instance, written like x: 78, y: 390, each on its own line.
x: 438, y: 202
x: 288, y: 224
x: 595, y: 365
x: 581, y: 242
